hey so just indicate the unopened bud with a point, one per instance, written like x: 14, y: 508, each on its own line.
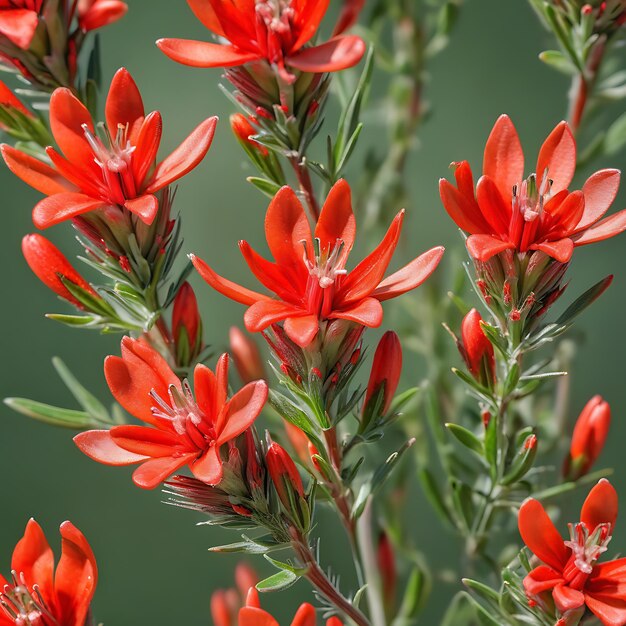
x: 384, y: 377
x: 284, y: 475
x: 590, y: 434
x: 523, y: 461
x: 52, y: 268
x: 387, y: 568
x: 186, y: 325
x: 246, y: 356
x: 476, y: 349
x: 243, y: 131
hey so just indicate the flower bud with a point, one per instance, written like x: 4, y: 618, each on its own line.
x: 186, y: 326
x: 52, y: 268
x: 246, y: 356
x: 348, y: 16
x: 476, y: 349
x: 588, y: 439
x: 384, y: 377
x: 388, y: 571
x: 243, y: 131
x: 523, y: 461
x: 284, y: 475
x: 94, y: 14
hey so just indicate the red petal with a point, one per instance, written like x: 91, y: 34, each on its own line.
x: 605, y: 592
x: 410, y: 276
x: 558, y: 156
x: 563, y: 215
x: 308, y: 18
x: 221, y: 382
x: 305, y: 616
x: 609, y: 608
x: 67, y: 116
x: 34, y: 172
x: 76, y: 576
x: 600, y: 506
x: 85, y: 180
x: 253, y: 616
x: 146, y: 146
x: 208, y: 468
x: 560, y: 250
x: 541, y: 579
x: 205, y: 390
x: 494, y: 208
x: 19, y: 26
x: 132, y: 377
x: 463, y: 209
x: 267, y: 312
x: 206, y: 14
x: 283, y: 281
x: 286, y: 227
x: 337, y: 221
x: 600, y: 191
x: 187, y: 156
x: 337, y: 54
x: 241, y: 411
x: 604, y: 229
x: 483, y: 247
x: 368, y: 312
x: 503, y: 160
x: 145, y: 441
x: 63, y: 206
x: 226, y: 287
x: 540, y: 535
x: 124, y: 106
x: 238, y: 20
x: 368, y: 274
x: 204, y: 54
x: 99, y: 446
x: 33, y: 557
x: 302, y: 330
x: 145, y: 207
x: 567, y: 599
x: 153, y: 472
x: 102, y: 13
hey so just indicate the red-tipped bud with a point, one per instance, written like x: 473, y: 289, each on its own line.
x: 243, y: 131
x: 51, y: 267
x: 476, y: 349
x: 589, y: 437
x: 387, y: 568
x: 9, y: 100
x: 385, y: 374
x: 284, y: 474
x: 587, y: 9
x: 186, y: 320
x: 93, y: 14
x: 298, y: 440
x: 246, y: 356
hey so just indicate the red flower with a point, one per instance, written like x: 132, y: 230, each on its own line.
x: 184, y: 430
x: 310, y: 279
x: 539, y: 213
x: 386, y: 370
x: 476, y: 349
x: 50, y: 266
x: 569, y: 574
x: 116, y: 168
x: 273, y: 30
x: 40, y: 596
x: 253, y: 615
x: 590, y: 433
x: 284, y: 473
x: 18, y: 20
x: 93, y: 14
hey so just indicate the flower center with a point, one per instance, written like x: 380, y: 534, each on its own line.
x: 587, y: 549
x: 327, y: 266
x: 276, y: 15
x: 23, y: 606
x: 185, y: 416
x: 113, y: 155
x: 529, y: 199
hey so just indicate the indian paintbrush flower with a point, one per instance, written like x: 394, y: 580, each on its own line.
x: 184, y: 428
x: 588, y: 438
x: 36, y: 595
x: 508, y: 212
x: 309, y: 276
x: 476, y: 349
x: 111, y: 168
x: 42, y: 39
x: 569, y: 579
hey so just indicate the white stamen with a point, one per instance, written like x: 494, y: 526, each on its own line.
x: 325, y: 268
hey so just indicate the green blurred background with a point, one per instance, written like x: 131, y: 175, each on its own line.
x: 153, y: 561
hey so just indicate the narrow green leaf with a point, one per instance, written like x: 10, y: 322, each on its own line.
x: 277, y: 582
x: 53, y: 415
x: 467, y: 438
